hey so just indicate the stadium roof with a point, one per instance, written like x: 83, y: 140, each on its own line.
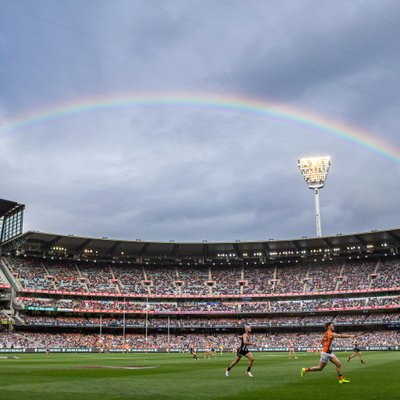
x: 7, y: 206
x: 388, y: 240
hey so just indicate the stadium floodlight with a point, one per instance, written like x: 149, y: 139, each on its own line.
x: 315, y: 171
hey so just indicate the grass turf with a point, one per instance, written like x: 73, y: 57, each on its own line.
x: 177, y: 376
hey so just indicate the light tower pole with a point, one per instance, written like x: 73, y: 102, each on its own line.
x: 315, y: 171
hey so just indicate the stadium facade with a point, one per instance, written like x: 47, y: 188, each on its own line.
x: 66, y: 292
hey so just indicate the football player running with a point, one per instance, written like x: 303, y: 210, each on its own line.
x: 243, y: 350
x: 327, y: 354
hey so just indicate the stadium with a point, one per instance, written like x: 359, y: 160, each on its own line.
x: 70, y: 294
x: 181, y: 123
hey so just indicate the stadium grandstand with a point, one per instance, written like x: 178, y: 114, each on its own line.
x: 11, y: 223
x: 70, y: 293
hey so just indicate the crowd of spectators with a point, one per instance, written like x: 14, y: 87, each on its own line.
x: 154, y: 307
x: 320, y: 279
x: 178, y: 280
x: 98, y: 278
x: 356, y: 276
x: 31, y: 274
x: 194, y: 280
x: 289, y: 279
x: 45, y: 274
x: 259, y: 280
x: 13, y: 340
x: 155, y: 322
x: 3, y: 280
x: 388, y: 275
x: 163, y: 281
x: 65, y: 277
x: 226, y: 280
x: 392, y: 317
x: 183, y: 342
x: 130, y: 279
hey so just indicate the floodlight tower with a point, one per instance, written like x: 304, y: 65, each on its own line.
x: 315, y: 171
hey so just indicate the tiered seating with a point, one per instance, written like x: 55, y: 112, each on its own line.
x: 234, y: 322
x: 259, y: 280
x: 163, y: 280
x: 3, y: 281
x: 162, y: 341
x: 13, y: 340
x: 392, y: 317
x: 226, y: 280
x: 110, y: 289
x: 130, y: 279
x: 98, y: 278
x: 276, y: 306
x: 31, y: 274
x: 388, y: 275
x: 194, y: 280
x: 323, y: 278
x: 202, y: 280
x: 354, y: 319
x: 316, y: 320
x: 66, y: 277
x: 356, y: 276
x: 290, y: 280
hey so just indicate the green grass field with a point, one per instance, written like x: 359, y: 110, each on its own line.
x: 177, y: 376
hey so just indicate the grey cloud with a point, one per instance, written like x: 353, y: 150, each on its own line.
x: 190, y: 173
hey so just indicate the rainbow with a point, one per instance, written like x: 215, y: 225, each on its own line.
x: 215, y: 103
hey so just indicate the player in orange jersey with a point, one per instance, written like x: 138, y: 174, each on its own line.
x: 326, y: 353
x: 207, y: 351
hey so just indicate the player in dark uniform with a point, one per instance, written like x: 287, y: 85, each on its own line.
x: 243, y: 350
x: 356, y: 352
x: 193, y: 352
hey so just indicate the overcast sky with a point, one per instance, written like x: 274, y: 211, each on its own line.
x: 166, y: 172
